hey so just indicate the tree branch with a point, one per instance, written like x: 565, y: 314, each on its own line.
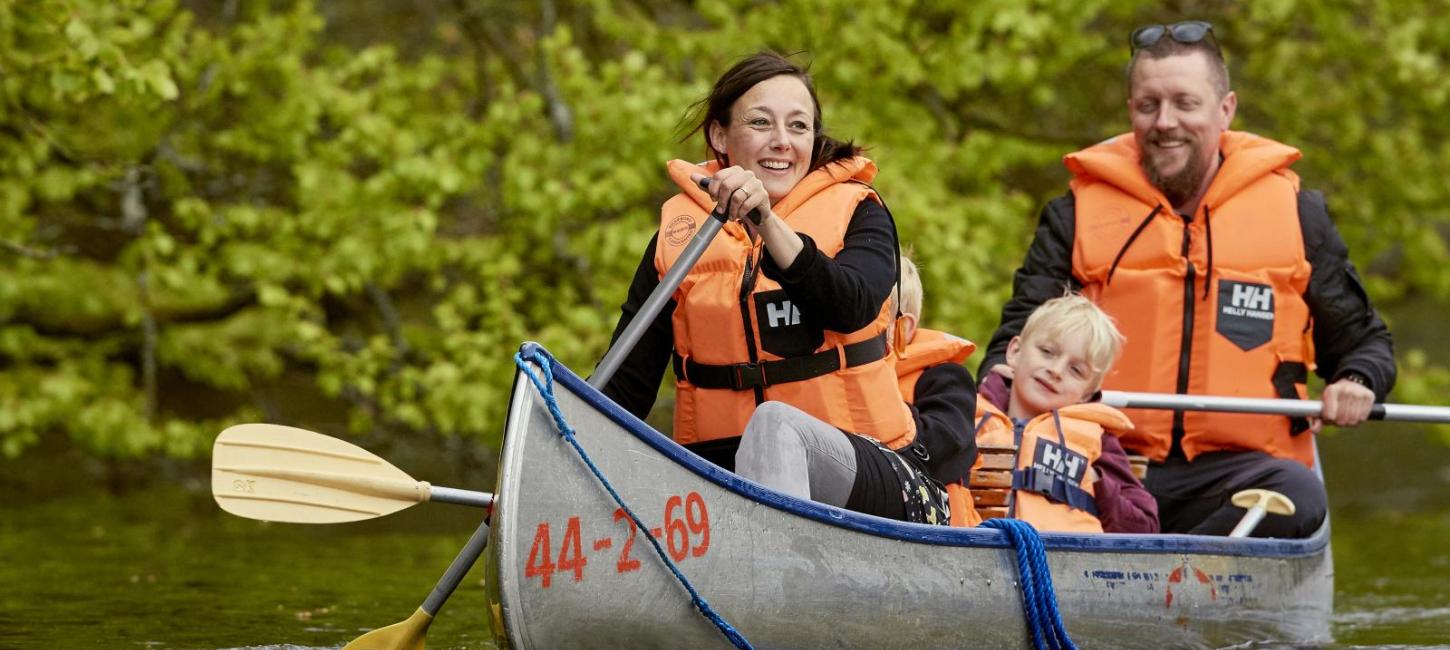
x: 560, y: 117
x: 29, y: 251
x: 391, y: 322
x: 485, y: 34
x: 114, y: 324
x: 148, y: 345
x: 133, y: 201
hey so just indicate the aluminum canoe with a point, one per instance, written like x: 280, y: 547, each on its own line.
x: 566, y: 570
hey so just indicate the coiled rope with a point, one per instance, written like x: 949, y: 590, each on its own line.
x: 1039, y: 601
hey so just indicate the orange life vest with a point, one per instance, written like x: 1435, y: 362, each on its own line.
x: 729, y: 314
x: 1052, y: 488
x: 1245, y: 334
x: 930, y: 348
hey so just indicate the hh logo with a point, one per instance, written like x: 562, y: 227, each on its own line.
x: 1253, y: 296
x: 782, y: 328
x: 1245, y: 313
x: 782, y: 314
x: 1056, y: 459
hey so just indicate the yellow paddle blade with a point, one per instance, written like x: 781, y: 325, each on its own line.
x: 277, y: 473
x: 406, y: 635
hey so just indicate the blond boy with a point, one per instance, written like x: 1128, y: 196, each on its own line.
x: 1058, y: 363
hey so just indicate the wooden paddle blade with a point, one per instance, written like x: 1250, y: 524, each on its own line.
x: 279, y: 473
x: 404, y: 635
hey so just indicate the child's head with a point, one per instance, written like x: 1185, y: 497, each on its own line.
x: 909, y: 293
x: 1062, y: 355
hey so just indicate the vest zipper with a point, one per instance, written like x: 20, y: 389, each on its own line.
x: 747, y: 285
x: 1185, y: 345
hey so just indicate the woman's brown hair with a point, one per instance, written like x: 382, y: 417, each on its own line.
x: 743, y: 76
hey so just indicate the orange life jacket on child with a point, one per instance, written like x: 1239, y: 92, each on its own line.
x: 930, y: 348
x: 1052, y: 488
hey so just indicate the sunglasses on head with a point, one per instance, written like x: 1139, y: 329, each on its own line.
x: 1186, y: 32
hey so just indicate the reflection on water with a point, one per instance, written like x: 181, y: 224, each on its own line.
x: 1391, y: 519
x: 162, y: 567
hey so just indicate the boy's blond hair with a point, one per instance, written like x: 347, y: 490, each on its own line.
x: 909, y: 291
x: 1073, y: 313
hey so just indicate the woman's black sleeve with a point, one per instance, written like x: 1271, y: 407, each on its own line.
x: 844, y: 294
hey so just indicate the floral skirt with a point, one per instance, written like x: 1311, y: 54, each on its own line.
x: 924, y: 498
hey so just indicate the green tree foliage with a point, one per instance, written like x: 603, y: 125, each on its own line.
x: 207, y: 211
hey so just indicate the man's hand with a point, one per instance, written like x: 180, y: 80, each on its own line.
x: 1346, y: 403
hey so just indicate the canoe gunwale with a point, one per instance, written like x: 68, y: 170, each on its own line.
x: 1313, y: 545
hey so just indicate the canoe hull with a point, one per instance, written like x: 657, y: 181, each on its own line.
x: 566, y: 570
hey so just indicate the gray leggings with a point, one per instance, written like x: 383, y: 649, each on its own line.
x: 789, y: 450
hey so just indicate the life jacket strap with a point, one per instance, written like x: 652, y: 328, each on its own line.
x: 1054, y: 488
x: 1286, y: 375
x: 747, y: 376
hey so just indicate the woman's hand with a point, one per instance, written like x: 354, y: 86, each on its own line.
x: 736, y: 192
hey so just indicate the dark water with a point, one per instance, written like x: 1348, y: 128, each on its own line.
x: 1389, y: 490
x: 162, y: 567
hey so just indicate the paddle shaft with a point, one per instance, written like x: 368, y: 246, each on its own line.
x: 656, y: 301
x: 459, y: 568
x: 1249, y: 522
x: 1288, y: 407
x: 460, y: 497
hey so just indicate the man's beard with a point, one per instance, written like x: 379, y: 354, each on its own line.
x: 1177, y: 188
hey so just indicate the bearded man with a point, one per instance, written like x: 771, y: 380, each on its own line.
x: 1225, y: 277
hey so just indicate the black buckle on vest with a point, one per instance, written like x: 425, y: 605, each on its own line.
x: 1054, y: 488
x: 746, y: 376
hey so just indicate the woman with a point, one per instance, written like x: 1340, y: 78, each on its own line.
x: 786, y: 307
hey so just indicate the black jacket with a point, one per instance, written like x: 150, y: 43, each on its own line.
x: 1349, y: 336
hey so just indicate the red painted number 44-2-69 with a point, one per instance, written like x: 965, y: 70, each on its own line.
x: 685, y: 534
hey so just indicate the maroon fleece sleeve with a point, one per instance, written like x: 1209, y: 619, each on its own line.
x: 1124, y: 505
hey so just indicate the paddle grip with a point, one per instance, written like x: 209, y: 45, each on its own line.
x: 754, y: 215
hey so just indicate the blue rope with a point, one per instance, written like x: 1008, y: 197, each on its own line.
x: 545, y: 387
x: 1039, y: 600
